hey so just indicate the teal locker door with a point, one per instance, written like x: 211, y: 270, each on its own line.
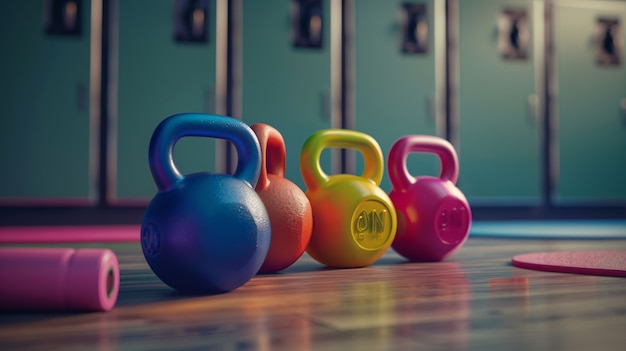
x: 591, y: 104
x: 45, y: 148
x: 284, y: 86
x: 394, y: 90
x: 158, y: 77
x: 499, y: 144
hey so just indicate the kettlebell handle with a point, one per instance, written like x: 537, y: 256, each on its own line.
x: 399, y: 174
x: 171, y: 129
x: 312, y: 172
x: 273, y: 153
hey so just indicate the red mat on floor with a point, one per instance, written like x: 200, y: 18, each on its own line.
x: 69, y: 234
x: 594, y: 262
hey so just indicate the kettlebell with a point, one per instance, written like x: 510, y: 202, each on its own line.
x: 205, y: 233
x: 354, y: 221
x: 434, y: 216
x: 288, y: 208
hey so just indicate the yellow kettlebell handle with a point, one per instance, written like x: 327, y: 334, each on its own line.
x: 311, y: 169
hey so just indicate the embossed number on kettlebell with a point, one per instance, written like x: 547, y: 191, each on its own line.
x: 150, y: 239
x: 452, y: 222
x: 354, y: 219
x: 204, y: 232
x: 437, y: 216
x: 371, y: 224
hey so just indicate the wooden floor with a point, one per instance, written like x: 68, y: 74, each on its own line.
x: 474, y: 301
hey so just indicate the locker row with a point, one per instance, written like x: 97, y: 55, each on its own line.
x: 532, y: 93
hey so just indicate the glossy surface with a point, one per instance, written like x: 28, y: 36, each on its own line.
x: 354, y: 221
x: 205, y: 233
x: 434, y: 217
x: 474, y: 301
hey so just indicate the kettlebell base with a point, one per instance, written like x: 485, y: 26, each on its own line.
x: 208, y: 235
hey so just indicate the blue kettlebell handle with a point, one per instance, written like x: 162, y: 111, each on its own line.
x: 167, y: 133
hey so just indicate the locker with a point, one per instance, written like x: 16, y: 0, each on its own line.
x: 395, y: 78
x: 45, y: 150
x: 499, y: 114
x: 591, y: 103
x: 162, y: 70
x: 286, y: 84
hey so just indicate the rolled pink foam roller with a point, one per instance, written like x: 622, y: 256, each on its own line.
x: 61, y: 279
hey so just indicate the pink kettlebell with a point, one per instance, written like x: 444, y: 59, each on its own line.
x: 434, y: 216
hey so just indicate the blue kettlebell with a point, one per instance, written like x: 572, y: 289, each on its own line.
x: 205, y: 233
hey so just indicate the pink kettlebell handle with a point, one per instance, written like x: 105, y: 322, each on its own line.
x: 399, y: 174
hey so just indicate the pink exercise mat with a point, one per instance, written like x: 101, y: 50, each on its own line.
x: 594, y: 262
x: 69, y: 234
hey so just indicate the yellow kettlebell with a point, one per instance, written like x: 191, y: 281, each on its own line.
x: 354, y: 221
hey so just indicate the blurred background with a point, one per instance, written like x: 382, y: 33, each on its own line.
x: 532, y: 94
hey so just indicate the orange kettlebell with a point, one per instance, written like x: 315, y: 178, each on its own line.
x: 288, y: 208
x: 354, y: 221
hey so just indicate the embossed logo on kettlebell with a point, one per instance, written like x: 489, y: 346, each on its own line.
x: 452, y: 222
x: 371, y: 224
x: 150, y: 239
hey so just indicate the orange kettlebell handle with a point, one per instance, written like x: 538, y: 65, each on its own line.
x: 273, y: 153
x: 312, y: 172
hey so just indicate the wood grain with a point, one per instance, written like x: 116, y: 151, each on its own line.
x: 474, y: 301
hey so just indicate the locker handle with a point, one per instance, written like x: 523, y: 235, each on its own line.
x: 210, y: 100
x: 533, y: 107
x: 82, y: 97
x: 325, y: 107
x: 622, y: 105
x: 431, y: 108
